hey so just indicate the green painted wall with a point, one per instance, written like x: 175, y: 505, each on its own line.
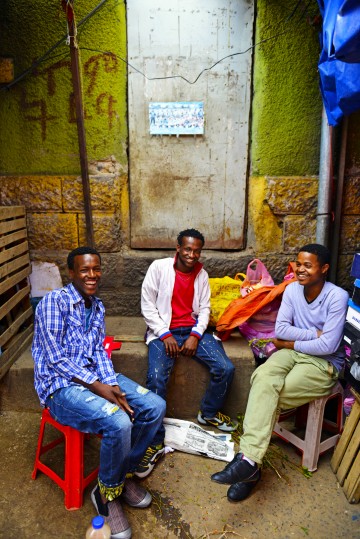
x: 287, y: 102
x: 39, y: 133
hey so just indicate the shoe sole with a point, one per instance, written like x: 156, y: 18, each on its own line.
x: 141, y: 505
x: 223, y: 428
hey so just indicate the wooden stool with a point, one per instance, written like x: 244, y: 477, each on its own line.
x: 346, y: 459
x: 311, y: 446
x: 74, y: 481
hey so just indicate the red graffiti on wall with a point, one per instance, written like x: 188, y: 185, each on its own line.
x: 108, y: 109
x: 93, y: 64
x: 103, y: 103
x: 42, y: 116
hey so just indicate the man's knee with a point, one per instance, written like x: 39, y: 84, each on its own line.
x: 260, y: 374
x: 229, y: 370
x: 117, y: 421
x: 153, y: 407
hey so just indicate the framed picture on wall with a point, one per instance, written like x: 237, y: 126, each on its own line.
x: 176, y: 118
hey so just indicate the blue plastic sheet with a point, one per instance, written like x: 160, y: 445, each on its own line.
x: 339, y: 64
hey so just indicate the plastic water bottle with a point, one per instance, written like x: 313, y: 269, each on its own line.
x: 98, y: 529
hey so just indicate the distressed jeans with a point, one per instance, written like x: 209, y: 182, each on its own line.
x: 123, y: 442
x: 288, y: 379
x: 210, y: 352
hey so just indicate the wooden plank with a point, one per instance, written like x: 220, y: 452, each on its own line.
x: 14, y: 252
x: 14, y: 265
x: 7, y: 212
x: 12, y: 238
x: 352, y: 482
x: 17, y: 323
x: 10, y: 226
x: 350, y: 454
x: 14, y: 279
x: 350, y: 426
x: 19, y: 344
x: 14, y: 300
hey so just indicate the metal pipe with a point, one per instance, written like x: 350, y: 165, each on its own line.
x: 325, y: 176
x: 339, y: 201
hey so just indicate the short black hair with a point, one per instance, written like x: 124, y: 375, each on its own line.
x: 190, y: 233
x: 80, y: 251
x: 322, y: 252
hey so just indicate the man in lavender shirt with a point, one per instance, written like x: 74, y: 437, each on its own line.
x: 309, y: 329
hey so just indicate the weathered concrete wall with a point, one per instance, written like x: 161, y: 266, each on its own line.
x: 39, y: 158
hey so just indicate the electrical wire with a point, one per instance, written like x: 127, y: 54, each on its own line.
x: 46, y: 57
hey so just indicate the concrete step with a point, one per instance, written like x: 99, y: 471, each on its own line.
x: 187, y: 383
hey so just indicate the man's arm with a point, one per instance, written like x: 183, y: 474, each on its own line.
x: 313, y: 341
x: 149, y: 293
x: 332, y: 332
x: 52, y: 329
x: 112, y: 394
x: 204, y: 305
x: 284, y: 328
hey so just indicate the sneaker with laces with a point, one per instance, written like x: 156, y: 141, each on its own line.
x: 113, y: 514
x: 152, y: 455
x: 220, y: 421
x: 135, y: 495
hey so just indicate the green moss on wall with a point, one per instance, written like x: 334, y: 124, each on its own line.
x: 40, y: 134
x: 287, y: 102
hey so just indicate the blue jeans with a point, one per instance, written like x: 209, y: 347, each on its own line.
x: 123, y: 442
x: 210, y: 352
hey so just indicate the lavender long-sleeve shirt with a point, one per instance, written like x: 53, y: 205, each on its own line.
x: 299, y: 321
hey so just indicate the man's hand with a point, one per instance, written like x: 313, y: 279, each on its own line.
x: 280, y: 344
x: 171, y: 347
x: 110, y: 393
x: 190, y: 346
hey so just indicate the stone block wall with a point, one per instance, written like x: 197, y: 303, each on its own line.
x: 281, y: 218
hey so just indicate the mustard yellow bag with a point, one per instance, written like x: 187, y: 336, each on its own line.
x: 223, y: 291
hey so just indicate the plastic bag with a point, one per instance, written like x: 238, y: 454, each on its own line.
x: 223, y: 291
x: 259, y: 328
x: 256, y: 276
x: 240, y: 310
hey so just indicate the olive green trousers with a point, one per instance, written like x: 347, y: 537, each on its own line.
x: 286, y: 380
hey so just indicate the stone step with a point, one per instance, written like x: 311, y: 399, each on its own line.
x: 187, y: 383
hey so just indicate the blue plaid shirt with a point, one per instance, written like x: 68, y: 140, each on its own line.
x: 63, y: 349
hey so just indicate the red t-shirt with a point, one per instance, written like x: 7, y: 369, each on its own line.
x: 182, y: 299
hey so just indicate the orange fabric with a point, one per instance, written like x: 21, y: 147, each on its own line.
x: 241, y: 309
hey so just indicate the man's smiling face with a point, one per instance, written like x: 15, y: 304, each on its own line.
x: 86, y: 274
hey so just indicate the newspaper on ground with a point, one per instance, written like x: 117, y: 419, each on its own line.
x: 190, y: 438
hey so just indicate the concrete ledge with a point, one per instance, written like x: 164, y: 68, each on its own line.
x: 187, y: 383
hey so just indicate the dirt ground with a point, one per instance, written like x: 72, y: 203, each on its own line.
x: 186, y: 504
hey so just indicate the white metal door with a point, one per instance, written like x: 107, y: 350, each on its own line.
x: 185, y: 181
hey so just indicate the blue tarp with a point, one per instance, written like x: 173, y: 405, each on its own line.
x: 339, y: 64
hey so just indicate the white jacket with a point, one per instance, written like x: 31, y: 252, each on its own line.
x: 156, y: 296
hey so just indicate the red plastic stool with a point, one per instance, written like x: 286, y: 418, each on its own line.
x: 74, y: 481
x: 311, y: 446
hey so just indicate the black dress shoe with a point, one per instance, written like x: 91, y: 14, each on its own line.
x: 238, y: 470
x: 240, y: 491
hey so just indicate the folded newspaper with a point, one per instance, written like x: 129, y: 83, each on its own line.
x: 190, y: 438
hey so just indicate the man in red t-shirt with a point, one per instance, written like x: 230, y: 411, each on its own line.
x: 175, y: 303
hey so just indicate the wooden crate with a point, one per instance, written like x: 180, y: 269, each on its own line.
x: 16, y: 313
x: 346, y: 459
